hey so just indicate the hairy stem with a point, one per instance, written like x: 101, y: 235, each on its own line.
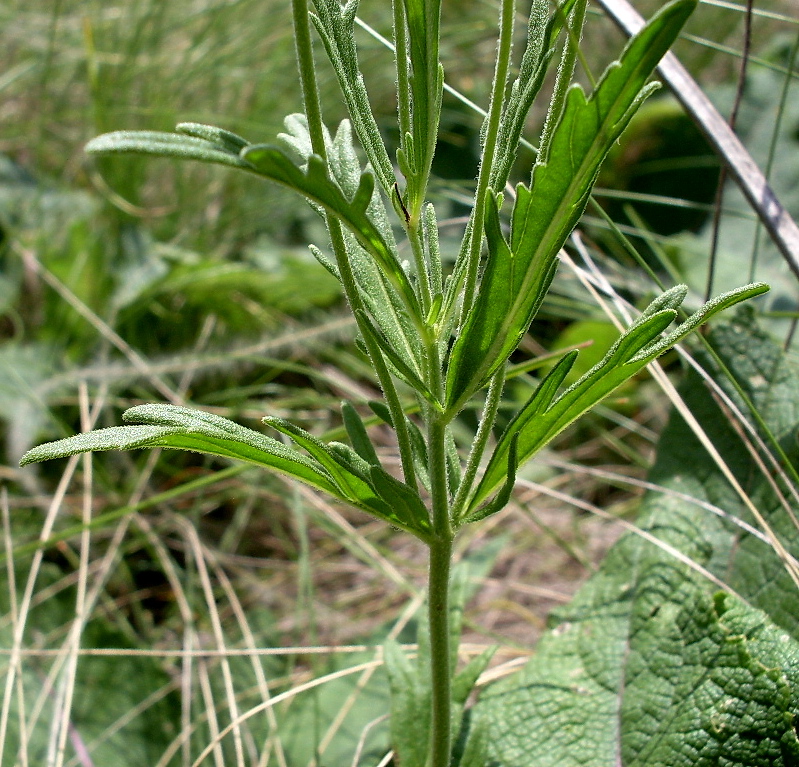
x: 440, y: 662
x: 489, y: 149
x: 438, y: 583
x: 310, y: 92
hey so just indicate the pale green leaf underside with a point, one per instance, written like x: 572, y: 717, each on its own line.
x: 181, y: 428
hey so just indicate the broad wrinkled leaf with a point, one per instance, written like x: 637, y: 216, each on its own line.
x: 544, y: 416
x: 649, y: 666
x: 518, y: 274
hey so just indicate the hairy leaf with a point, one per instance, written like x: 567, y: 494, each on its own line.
x: 185, y: 429
x: 368, y: 487
x: 158, y: 144
x: 384, y: 303
x: 336, y: 26
x: 518, y: 274
x: 543, y: 417
x: 315, y: 184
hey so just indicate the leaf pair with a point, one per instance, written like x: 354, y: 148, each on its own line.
x: 334, y: 468
x: 518, y: 274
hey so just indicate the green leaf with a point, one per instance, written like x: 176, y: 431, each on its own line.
x: 173, y: 145
x: 542, y: 418
x: 518, y: 274
x: 542, y: 33
x: 335, y: 24
x: 649, y: 665
x: 395, y: 327
x: 368, y: 487
x: 185, y: 429
x: 426, y: 84
x: 356, y: 430
x: 224, y: 139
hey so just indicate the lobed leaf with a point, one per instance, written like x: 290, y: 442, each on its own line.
x: 544, y: 416
x: 518, y: 274
x: 359, y: 437
x: 368, y: 487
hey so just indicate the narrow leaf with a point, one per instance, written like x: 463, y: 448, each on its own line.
x: 544, y: 215
x: 365, y: 486
x: 166, y: 145
x: 316, y: 185
x: 358, y: 434
x: 183, y: 429
x: 537, y: 425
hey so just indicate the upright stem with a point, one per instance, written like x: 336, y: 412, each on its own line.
x: 440, y: 661
x: 313, y: 111
x: 489, y: 149
x: 438, y: 582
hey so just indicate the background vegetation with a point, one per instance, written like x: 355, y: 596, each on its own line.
x: 129, y: 280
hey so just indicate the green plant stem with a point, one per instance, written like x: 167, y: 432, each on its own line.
x: 563, y: 82
x: 489, y: 150
x: 438, y: 577
x: 310, y: 92
x: 480, y: 441
x: 305, y: 63
x: 440, y: 662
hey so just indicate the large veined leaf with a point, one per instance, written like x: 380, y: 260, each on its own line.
x: 517, y: 274
x: 650, y: 665
x: 183, y: 428
x: 546, y: 414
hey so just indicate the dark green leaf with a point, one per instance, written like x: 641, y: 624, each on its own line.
x: 538, y: 423
x: 648, y: 665
x: 367, y: 487
x: 518, y: 274
x: 358, y: 434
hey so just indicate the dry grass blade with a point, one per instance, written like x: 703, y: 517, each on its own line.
x: 738, y: 161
